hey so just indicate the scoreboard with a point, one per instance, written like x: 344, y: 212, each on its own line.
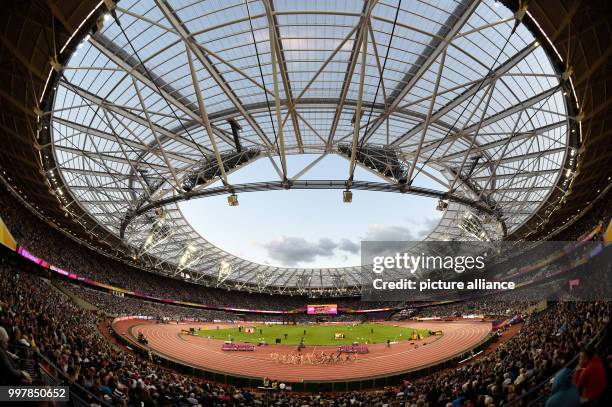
x: 322, y: 309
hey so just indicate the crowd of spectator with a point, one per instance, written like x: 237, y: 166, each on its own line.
x: 489, y: 307
x: 35, y: 315
x: 517, y: 302
x: 115, y: 304
x: 546, y: 342
x: 599, y: 214
x: 119, y: 305
x: 57, y: 249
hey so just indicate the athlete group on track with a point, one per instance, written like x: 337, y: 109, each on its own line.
x: 312, y: 358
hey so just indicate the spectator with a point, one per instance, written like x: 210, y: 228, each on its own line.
x: 563, y: 393
x: 590, y: 376
x: 8, y: 374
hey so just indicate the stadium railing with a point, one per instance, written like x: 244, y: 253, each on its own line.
x: 46, y: 373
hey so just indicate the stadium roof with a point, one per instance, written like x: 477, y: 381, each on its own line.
x: 147, y: 100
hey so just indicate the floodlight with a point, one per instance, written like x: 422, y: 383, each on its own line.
x: 347, y: 196
x: 442, y: 205
x: 232, y: 200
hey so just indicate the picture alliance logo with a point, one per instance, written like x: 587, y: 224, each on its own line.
x: 440, y: 285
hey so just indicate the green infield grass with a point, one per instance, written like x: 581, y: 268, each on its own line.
x: 315, y: 334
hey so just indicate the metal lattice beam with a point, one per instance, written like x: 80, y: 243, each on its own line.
x: 185, y: 35
x: 433, y: 50
x: 472, y: 90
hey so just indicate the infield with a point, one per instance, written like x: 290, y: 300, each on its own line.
x: 324, y: 334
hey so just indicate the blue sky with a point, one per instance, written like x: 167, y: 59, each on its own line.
x: 309, y: 228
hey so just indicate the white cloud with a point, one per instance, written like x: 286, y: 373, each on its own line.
x: 349, y: 246
x: 389, y: 233
x: 291, y: 251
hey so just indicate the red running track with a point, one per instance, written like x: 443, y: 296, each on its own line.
x: 166, y: 340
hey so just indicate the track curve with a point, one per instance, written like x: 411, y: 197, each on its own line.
x: 167, y: 340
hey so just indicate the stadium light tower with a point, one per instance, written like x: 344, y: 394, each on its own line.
x: 263, y: 278
x: 225, y: 271
x: 189, y: 256
x: 186, y: 257
x: 303, y: 282
x: 160, y: 232
x: 339, y: 283
x: 472, y: 225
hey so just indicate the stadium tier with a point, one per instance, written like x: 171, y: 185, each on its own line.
x: 373, y: 203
